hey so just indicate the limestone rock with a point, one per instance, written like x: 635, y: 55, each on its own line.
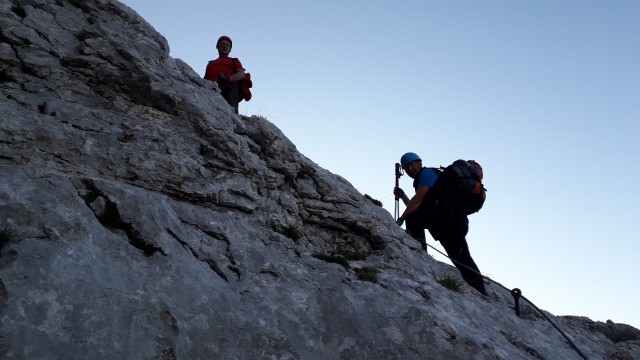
x: 151, y: 222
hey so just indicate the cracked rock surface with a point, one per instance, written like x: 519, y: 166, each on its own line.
x: 150, y: 222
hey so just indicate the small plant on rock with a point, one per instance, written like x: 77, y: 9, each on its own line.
x: 451, y: 282
x: 7, y: 235
x: 374, y: 201
x: 355, y: 255
x: 368, y: 273
x: 292, y: 232
x: 332, y: 259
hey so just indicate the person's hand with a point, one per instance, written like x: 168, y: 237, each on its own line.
x: 223, y: 80
x: 400, y: 221
x: 398, y: 192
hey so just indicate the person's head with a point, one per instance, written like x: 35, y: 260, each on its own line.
x: 411, y: 164
x: 224, y: 45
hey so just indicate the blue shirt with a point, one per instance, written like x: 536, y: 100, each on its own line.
x: 427, y: 177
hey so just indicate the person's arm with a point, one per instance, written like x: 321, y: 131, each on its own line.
x: 239, y: 75
x: 399, y: 194
x: 207, y: 73
x: 405, y: 198
x: 415, y: 201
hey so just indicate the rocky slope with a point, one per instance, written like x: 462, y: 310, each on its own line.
x: 142, y: 219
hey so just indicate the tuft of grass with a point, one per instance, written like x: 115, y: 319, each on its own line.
x: 7, y: 235
x: 292, y: 232
x: 451, y: 282
x: 374, y: 201
x: 368, y: 273
x: 356, y: 255
x: 332, y: 259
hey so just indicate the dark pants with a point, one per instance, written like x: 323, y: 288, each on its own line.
x: 232, y: 95
x: 450, y: 228
x: 230, y: 91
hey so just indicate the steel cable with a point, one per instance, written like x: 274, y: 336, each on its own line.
x: 517, y: 294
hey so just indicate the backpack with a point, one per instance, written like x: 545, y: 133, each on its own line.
x: 244, y: 85
x: 459, y: 185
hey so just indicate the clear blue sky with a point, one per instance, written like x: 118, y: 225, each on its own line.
x: 544, y: 94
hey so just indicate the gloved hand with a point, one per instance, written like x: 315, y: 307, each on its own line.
x: 400, y: 221
x: 398, y: 192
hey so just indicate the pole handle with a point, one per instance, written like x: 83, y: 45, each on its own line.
x: 398, y: 171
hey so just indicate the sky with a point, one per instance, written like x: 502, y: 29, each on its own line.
x: 545, y: 95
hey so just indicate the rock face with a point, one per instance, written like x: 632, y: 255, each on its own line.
x: 142, y: 219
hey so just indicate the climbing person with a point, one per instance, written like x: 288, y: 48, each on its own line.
x: 447, y: 224
x: 226, y: 71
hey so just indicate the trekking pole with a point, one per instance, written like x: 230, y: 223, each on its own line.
x: 398, y: 169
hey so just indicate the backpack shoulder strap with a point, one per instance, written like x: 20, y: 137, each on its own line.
x: 235, y: 67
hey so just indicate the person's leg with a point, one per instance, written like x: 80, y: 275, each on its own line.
x: 232, y: 96
x: 455, y: 244
x: 415, y: 226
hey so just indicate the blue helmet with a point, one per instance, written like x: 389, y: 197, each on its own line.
x: 409, y: 157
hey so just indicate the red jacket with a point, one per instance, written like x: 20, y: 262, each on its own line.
x: 221, y: 65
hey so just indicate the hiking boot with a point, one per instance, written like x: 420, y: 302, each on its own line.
x: 423, y: 243
x: 485, y: 296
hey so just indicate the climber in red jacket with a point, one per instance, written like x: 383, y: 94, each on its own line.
x: 226, y: 71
